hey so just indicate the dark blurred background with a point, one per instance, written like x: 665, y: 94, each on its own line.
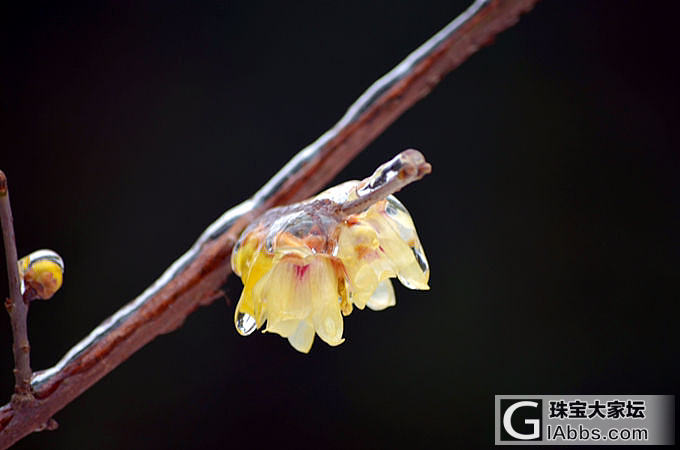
x: 550, y: 219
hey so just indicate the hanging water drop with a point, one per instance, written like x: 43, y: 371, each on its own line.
x: 245, y: 323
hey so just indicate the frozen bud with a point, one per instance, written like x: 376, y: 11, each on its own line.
x: 42, y: 272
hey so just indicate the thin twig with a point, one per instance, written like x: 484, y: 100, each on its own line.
x: 17, y: 308
x: 196, y: 277
x: 405, y: 168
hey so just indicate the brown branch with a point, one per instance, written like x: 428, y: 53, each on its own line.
x: 196, y: 277
x: 16, y: 307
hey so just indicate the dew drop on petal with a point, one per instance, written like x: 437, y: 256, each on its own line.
x: 245, y: 323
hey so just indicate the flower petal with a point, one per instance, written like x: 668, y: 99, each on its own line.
x: 407, y: 257
x: 328, y: 322
x: 400, y: 218
x: 325, y: 299
x: 244, y: 254
x: 366, y: 265
x: 383, y: 297
x: 283, y: 327
x: 285, y: 289
x: 303, y: 337
x: 244, y: 306
x: 250, y: 303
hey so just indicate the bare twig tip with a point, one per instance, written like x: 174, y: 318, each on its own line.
x: 415, y: 160
x: 424, y: 169
x: 3, y: 183
x: 405, y: 168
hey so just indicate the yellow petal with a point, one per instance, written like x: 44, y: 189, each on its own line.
x: 408, y: 258
x: 326, y: 316
x: 283, y: 327
x: 243, y: 255
x: 364, y: 262
x: 383, y: 297
x: 303, y: 337
x: 399, y: 217
x: 344, y: 293
x: 328, y: 322
x: 364, y: 283
x: 249, y: 303
x: 245, y: 314
x: 401, y: 221
x: 284, y: 291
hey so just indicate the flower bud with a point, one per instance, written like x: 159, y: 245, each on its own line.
x: 41, y: 272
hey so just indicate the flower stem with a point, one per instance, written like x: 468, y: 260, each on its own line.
x: 16, y: 307
x: 405, y: 168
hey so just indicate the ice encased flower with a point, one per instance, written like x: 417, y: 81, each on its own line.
x: 304, y: 266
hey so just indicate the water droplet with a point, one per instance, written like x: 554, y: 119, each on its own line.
x: 245, y: 323
x: 420, y: 258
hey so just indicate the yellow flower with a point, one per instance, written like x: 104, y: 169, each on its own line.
x: 304, y: 266
x: 42, y: 272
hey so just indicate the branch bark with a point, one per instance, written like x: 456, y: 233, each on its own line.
x: 195, y: 278
x: 16, y: 307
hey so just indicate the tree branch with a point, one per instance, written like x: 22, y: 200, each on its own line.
x: 195, y: 278
x: 16, y: 307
